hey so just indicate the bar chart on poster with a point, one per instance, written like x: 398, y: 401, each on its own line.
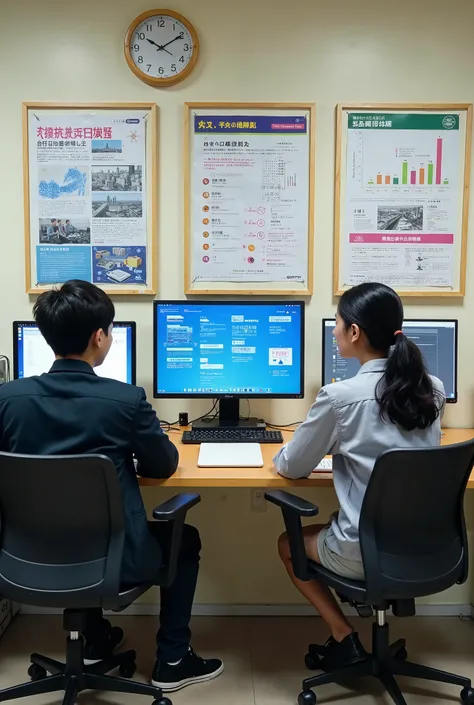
x: 401, y: 198
x: 405, y: 164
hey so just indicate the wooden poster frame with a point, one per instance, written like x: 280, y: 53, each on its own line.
x: 151, y: 166
x: 246, y: 288
x: 339, y: 203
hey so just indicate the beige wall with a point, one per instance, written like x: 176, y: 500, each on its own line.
x: 251, y: 50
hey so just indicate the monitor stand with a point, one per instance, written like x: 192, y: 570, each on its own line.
x: 228, y: 417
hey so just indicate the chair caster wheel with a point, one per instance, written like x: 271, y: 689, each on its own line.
x: 307, y: 697
x: 312, y: 662
x: 37, y: 673
x: 467, y: 696
x: 163, y: 701
x: 127, y: 670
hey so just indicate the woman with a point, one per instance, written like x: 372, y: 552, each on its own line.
x: 391, y: 403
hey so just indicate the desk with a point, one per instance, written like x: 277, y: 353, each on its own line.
x: 189, y: 475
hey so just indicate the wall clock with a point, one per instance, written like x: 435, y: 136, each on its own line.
x: 161, y: 47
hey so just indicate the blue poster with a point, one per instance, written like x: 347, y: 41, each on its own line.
x: 119, y: 265
x: 55, y: 265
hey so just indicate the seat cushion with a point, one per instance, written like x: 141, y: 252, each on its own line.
x: 353, y: 589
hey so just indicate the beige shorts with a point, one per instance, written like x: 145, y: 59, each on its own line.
x: 354, y: 570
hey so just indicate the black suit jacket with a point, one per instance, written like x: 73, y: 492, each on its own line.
x: 72, y: 410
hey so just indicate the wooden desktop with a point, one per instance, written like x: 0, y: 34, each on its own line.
x: 189, y: 475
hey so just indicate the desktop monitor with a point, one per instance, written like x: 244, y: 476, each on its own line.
x: 228, y: 350
x: 437, y: 340
x: 33, y: 356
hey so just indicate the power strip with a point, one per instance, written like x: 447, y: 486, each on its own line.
x: 4, y: 370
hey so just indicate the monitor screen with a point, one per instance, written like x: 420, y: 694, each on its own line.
x: 208, y: 349
x: 437, y: 341
x: 33, y: 356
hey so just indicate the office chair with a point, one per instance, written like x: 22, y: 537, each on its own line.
x: 413, y: 542
x: 61, y: 544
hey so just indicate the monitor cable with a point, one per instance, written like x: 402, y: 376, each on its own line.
x: 279, y: 426
x: 171, y: 425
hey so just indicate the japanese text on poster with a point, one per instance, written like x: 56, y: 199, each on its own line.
x: 402, y: 217
x: 250, y: 198
x: 88, y: 197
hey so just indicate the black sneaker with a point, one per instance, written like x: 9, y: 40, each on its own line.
x: 103, y: 645
x: 191, y: 669
x: 337, y: 654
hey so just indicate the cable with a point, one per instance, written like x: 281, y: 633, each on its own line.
x: 207, y: 416
x: 246, y: 418
x: 285, y: 425
x: 170, y: 425
x: 271, y: 425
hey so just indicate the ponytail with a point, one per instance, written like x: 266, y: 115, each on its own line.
x: 405, y: 393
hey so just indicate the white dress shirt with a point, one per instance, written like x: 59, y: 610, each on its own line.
x: 345, y: 422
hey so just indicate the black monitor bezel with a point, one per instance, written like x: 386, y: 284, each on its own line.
x: 200, y: 302
x: 409, y: 320
x: 133, y: 328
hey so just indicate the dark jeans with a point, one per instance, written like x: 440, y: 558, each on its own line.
x: 176, y: 601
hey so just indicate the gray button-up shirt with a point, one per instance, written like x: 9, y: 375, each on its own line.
x: 345, y: 422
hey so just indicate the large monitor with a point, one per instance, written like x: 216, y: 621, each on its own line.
x: 437, y: 340
x: 229, y: 350
x: 33, y: 356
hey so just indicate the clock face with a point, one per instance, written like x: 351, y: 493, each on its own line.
x: 162, y: 48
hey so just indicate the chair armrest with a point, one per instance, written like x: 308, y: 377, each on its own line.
x: 173, y: 512
x: 292, y: 503
x: 293, y: 508
x: 175, y: 507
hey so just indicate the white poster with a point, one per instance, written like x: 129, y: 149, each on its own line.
x: 88, y: 196
x: 250, y: 188
x: 402, y: 216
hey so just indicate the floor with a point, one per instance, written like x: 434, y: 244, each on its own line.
x: 263, y: 658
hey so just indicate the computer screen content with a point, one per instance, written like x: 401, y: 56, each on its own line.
x: 232, y: 349
x: 33, y: 356
x: 437, y: 341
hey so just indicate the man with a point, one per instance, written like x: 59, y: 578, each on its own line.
x: 62, y: 232
x: 72, y: 410
x: 52, y: 230
x: 69, y: 229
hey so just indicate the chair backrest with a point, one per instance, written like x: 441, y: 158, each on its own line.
x: 412, y: 528
x: 61, y: 530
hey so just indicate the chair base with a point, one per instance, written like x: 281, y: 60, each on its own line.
x: 385, y: 662
x: 74, y: 676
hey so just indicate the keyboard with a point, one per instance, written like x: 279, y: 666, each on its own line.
x: 231, y: 435
x: 324, y: 466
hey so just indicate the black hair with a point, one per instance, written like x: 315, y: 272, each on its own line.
x: 405, y: 394
x: 67, y: 317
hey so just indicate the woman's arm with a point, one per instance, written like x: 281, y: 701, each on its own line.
x: 311, y: 442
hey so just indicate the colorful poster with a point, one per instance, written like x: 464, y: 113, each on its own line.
x: 250, y: 186
x: 402, y: 217
x: 87, y: 195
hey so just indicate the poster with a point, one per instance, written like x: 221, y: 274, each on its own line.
x: 87, y: 196
x: 250, y: 197
x: 402, y: 212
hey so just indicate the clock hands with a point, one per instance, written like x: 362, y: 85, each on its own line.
x: 173, y: 40
x: 152, y: 42
x: 159, y: 47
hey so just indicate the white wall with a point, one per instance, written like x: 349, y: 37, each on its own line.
x: 264, y: 50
